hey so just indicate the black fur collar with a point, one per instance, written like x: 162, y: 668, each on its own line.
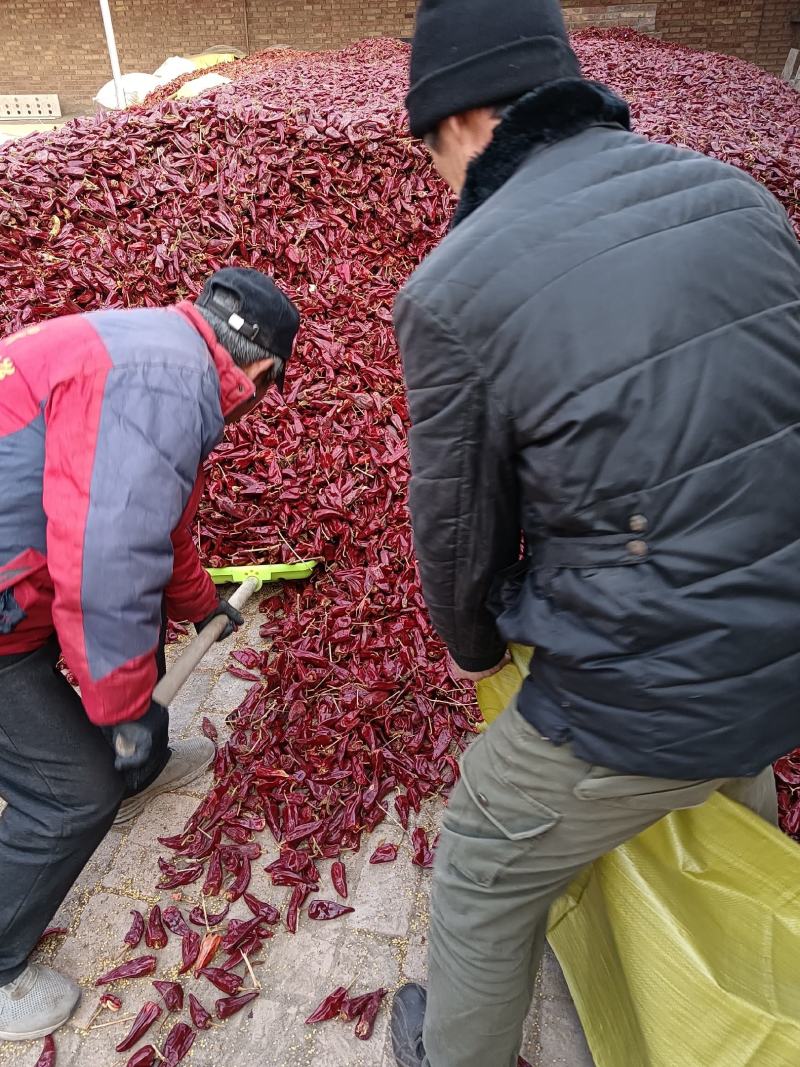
x: 553, y: 113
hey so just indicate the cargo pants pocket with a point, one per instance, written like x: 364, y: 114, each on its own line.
x: 490, y: 821
x: 657, y: 795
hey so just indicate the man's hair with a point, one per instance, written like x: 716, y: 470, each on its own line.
x: 498, y: 110
x: 243, y: 351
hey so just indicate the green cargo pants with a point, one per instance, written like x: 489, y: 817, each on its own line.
x: 525, y: 818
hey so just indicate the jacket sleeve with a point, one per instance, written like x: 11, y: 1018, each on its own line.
x: 122, y: 450
x: 190, y: 594
x: 463, y: 495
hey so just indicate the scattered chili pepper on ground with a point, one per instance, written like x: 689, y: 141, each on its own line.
x: 52, y: 931
x: 141, y: 967
x: 207, y: 918
x: 108, y: 1000
x: 174, y: 921
x: 368, y: 1014
x: 423, y: 854
x: 226, y: 981
x: 173, y: 877
x: 148, y: 1014
x: 209, y: 947
x: 327, y: 909
x: 47, y: 1057
x: 200, y: 1017
x: 190, y: 950
x: 171, y: 993
x: 330, y: 1007
x: 227, y: 1006
x: 339, y: 878
x: 179, y: 1040
x: 296, y: 901
x: 209, y: 729
x: 386, y: 853
x: 136, y: 932
x: 155, y: 936
x: 144, y: 1057
x: 262, y: 909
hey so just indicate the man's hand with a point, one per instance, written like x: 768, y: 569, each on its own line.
x: 235, y: 619
x: 133, y: 741
x: 476, y: 676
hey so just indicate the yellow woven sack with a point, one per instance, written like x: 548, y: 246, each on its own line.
x: 497, y: 692
x: 682, y: 947
x: 211, y: 59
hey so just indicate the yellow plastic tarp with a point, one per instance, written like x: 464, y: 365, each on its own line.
x: 682, y: 947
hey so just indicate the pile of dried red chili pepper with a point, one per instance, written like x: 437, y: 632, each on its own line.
x: 302, y: 167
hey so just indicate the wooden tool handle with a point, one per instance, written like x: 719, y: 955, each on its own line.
x: 176, y: 677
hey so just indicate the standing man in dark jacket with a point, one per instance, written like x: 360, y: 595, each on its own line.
x: 105, y: 421
x: 602, y: 359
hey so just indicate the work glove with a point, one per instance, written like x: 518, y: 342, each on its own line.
x: 235, y: 619
x: 133, y: 741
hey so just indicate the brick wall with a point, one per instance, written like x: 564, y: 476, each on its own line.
x: 327, y: 23
x: 635, y: 16
x: 58, y: 45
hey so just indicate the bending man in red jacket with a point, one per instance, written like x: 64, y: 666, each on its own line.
x: 105, y: 421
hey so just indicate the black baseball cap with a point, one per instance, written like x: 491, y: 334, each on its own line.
x: 265, y: 315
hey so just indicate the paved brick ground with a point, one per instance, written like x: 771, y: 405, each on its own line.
x: 382, y: 943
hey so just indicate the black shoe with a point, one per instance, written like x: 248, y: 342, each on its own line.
x: 408, y: 1016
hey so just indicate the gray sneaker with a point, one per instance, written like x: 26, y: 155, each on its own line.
x: 405, y: 1026
x: 188, y: 760
x: 36, y: 1003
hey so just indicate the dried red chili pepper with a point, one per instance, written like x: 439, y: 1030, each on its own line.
x: 299, y: 895
x: 214, y: 876
x: 209, y: 729
x: 327, y: 909
x: 203, y: 918
x: 330, y: 1007
x: 155, y: 936
x: 262, y: 909
x: 172, y: 878
x: 174, y: 921
x: 209, y: 947
x: 136, y: 932
x: 190, y: 950
x: 368, y: 1014
x: 148, y: 1014
x: 141, y: 967
x: 226, y: 981
x: 523, y: 1063
x: 241, y: 880
x: 108, y: 1000
x: 171, y: 993
x: 200, y: 1017
x: 144, y: 1057
x: 386, y: 853
x: 339, y: 878
x: 423, y: 854
x: 47, y: 1057
x: 52, y: 931
x: 227, y: 1006
x: 179, y: 1041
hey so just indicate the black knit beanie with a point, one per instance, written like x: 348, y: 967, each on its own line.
x: 475, y: 53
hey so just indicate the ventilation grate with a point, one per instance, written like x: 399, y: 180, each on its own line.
x: 30, y: 106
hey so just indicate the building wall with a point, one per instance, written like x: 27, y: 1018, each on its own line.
x: 58, y: 45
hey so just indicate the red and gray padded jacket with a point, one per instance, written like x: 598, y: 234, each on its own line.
x: 105, y: 420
